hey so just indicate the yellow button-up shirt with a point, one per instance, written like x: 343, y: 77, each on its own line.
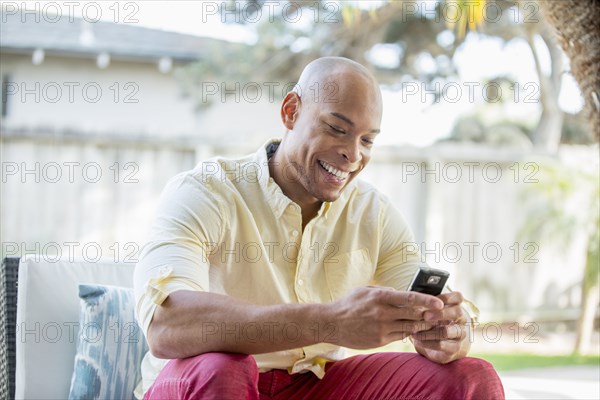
x: 226, y: 227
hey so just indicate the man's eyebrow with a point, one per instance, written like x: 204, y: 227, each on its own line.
x: 343, y: 118
x: 349, y: 121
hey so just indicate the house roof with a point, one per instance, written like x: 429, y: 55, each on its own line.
x: 20, y: 32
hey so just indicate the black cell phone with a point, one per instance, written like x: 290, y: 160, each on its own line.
x: 429, y: 281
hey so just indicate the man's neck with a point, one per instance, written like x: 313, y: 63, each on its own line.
x: 292, y: 188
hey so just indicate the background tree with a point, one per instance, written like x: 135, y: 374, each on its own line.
x: 407, y: 31
x: 565, y: 201
x: 577, y: 25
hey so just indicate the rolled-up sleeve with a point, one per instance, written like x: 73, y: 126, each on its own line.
x: 399, y: 255
x: 188, y: 223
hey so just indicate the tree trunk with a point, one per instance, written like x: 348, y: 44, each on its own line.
x: 577, y: 25
x: 589, y: 303
x: 547, y: 133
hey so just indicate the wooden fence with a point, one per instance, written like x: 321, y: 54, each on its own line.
x: 87, y: 196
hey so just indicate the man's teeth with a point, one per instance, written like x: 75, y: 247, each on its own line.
x: 334, y: 171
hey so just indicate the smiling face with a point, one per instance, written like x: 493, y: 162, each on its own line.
x: 331, y: 129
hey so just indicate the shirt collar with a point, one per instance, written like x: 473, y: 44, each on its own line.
x: 274, y: 196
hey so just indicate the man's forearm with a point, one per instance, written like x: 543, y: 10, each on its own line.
x: 190, y: 323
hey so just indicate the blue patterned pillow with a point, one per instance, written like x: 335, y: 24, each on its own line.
x: 110, y: 345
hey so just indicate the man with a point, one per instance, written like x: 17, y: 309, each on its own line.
x: 259, y: 270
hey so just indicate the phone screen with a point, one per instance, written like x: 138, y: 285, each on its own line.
x: 429, y: 281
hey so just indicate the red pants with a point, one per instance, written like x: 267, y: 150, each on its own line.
x: 364, y: 377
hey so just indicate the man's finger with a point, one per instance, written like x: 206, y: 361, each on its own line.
x: 452, y: 313
x: 412, y: 299
x: 406, y: 313
x: 451, y: 298
x: 452, y: 332
x: 411, y: 327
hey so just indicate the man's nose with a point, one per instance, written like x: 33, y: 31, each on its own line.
x: 351, y: 151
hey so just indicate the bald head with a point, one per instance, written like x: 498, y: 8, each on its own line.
x: 324, y: 78
x: 332, y: 118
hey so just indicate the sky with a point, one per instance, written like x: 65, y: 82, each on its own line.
x: 408, y: 114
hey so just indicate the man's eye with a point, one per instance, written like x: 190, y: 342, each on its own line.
x: 335, y: 129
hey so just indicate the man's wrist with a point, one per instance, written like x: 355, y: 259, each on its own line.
x: 322, y: 323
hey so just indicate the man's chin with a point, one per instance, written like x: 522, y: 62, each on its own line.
x: 329, y: 199
x: 330, y: 196
x: 325, y: 192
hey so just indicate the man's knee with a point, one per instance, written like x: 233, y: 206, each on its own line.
x: 475, y: 378
x: 469, y: 366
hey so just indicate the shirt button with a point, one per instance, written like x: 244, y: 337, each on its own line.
x: 300, y: 282
x: 294, y: 233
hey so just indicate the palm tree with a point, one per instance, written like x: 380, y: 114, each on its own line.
x: 577, y: 25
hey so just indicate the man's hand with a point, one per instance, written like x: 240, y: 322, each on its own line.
x: 448, y: 339
x: 373, y: 316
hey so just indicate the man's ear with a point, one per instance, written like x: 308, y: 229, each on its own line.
x: 289, y: 109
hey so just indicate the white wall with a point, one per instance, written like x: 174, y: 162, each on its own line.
x: 135, y: 98
x: 159, y: 110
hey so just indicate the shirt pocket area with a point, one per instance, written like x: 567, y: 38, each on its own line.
x: 347, y: 271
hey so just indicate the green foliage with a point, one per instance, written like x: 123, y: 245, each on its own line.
x: 329, y: 28
x: 477, y: 129
x: 565, y: 202
x: 515, y: 361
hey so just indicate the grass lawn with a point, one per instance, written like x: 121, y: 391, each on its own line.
x: 502, y: 361
x: 513, y: 361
